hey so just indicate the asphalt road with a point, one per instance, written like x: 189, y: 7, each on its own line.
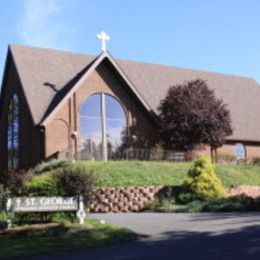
x: 180, y: 236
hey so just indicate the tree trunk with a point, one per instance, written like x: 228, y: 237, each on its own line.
x: 213, y: 154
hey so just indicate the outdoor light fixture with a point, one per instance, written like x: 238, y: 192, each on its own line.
x: 74, y: 134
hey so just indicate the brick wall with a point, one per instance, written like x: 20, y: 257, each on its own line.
x: 102, y: 80
x: 253, y: 150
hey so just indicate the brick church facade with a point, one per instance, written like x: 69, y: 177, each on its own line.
x: 55, y: 103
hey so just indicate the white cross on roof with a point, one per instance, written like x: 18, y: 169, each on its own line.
x: 103, y: 36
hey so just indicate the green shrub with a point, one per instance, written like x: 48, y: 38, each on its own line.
x: 191, y: 207
x: 3, y: 216
x: 51, y: 165
x: 75, y: 180
x: 152, y: 205
x: 21, y: 219
x: 41, y: 185
x: 15, y: 180
x: 194, y: 206
x: 237, y: 203
x: 185, y: 197
x: 167, y: 205
x: 160, y: 205
x: 66, y: 181
x: 64, y: 217
x: 202, y: 182
x: 4, y: 194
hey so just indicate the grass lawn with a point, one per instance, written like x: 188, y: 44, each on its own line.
x: 238, y: 174
x: 142, y: 173
x: 51, y: 238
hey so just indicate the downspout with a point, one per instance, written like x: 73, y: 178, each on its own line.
x: 75, y: 124
x: 43, y: 143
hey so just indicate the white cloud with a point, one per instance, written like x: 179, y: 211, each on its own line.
x: 41, y: 24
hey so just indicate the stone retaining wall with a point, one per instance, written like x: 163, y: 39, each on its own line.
x: 123, y: 199
x: 134, y: 198
x: 250, y: 191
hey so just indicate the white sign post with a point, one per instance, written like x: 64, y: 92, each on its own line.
x: 81, y: 212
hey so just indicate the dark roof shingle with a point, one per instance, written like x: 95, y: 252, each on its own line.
x: 44, y: 74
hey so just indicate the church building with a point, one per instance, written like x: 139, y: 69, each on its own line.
x: 57, y: 104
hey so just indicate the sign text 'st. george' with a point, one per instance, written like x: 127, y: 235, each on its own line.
x: 42, y: 204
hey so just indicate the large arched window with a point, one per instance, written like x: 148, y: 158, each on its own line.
x: 13, y: 133
x: 102, y: 121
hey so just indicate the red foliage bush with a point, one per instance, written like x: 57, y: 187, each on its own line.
x: 191, y: 115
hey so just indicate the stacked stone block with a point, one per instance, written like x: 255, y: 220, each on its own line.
x: 134, y: 199
x: 250, y: 191
x: 122, y: 199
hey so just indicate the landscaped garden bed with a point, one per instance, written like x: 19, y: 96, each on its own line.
x: 162, y: 198
x: 125, y: 186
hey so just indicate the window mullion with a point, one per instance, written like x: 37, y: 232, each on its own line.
x: 12, y: 127
x: 104, y: 131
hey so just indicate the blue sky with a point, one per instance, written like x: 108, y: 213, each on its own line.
x: 220, y: 35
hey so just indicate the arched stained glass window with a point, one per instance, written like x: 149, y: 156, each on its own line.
x: 102, y: 120
x: 13, y: 133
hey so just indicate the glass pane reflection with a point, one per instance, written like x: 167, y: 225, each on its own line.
x: 91, y: 126
x: 115, y: 124
x: 13, y: 133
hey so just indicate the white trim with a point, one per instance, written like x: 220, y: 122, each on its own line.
x: 130, y: 84
x: 104, y: 127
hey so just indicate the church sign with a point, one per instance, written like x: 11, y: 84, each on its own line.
x: 42, y: 204
x: 47, y: 204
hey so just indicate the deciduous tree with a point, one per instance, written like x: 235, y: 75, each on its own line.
x: 191, y: 115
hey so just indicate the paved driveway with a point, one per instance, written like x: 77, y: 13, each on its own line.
x: 181, y: 236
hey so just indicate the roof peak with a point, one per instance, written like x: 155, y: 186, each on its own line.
x: 146, y: 63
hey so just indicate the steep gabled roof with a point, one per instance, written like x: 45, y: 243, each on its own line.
x: 241, y: 94
x: 44, y: 73
x: 48, y: 75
